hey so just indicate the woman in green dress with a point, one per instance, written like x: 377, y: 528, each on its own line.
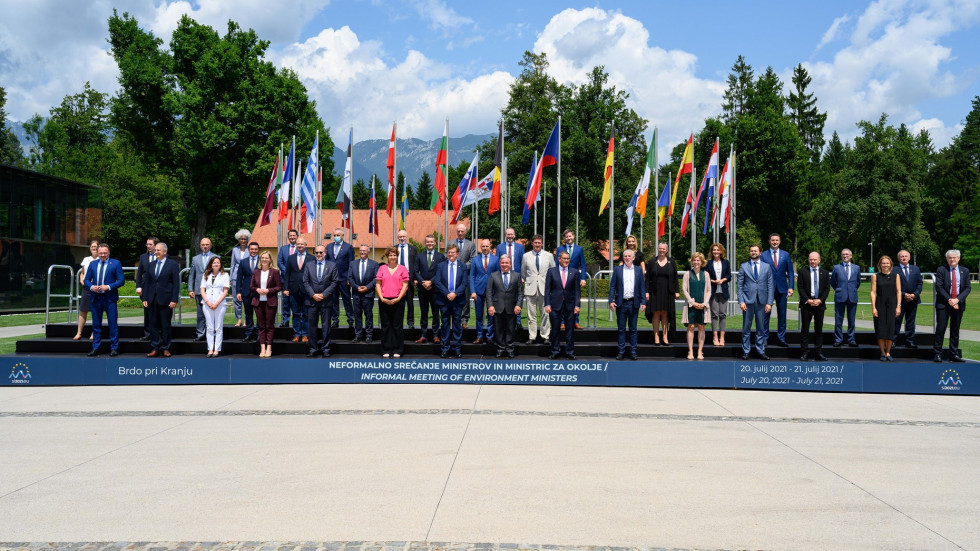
x: 697, y: 293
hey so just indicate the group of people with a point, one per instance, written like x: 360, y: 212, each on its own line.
x: 499, y: 281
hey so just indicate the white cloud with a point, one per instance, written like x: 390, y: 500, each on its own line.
x: 941, y: 134
x: 353, y: 84
x: 661, y: 84
x: 892, y: 64
x: 266, y: 18
x: 833, y: 31
x: 440, y: 15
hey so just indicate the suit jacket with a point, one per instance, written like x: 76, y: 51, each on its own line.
x: 726, y: 273
x: 342, y: 259
x: 558, y: 297
x: 478, y: 276
x: 412, y: 252
x: 617, y: 291
x: 576, y: 257
x: 912, y: 284
x: 244, y: 278
x: 804, y: 287
x: 292, y: 276
x: 502, y: 298
x: 164, y: 289
x: 282, y: 257
x: 845, y: 290
x: 326, y: 284
x: 196, y: 274
x: 113, y: 277
x: 944, y: 285
x: 516, y: 259
x: 755, y: 291
x: 370, y: 277
x: 145, y: 260
x: 273, y: 284
x: 467, y: 250
x: 424, y: 270
x: 690, y: 299
x: 534, y: 277
x: 443, y: 286
x: 783, y: 277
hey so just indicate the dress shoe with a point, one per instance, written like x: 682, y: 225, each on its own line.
x: 764, y: 357
x: 820, y: 357
x: 200, y: 339
x: 632, y: 356
x: 553, y: 356
x: 93, y: 354
x: 838, y: 344
x: 113, y: 353
x: 326, y: 353
x: 852, y: 344
x: 745, y: 356
x: 436, y: 340
x: 296, y: 339
x: 938, y: 358
x: 577, y: 326
x: 957, y: 359
x: 335, y: 325
x: 530, y: 342
x: 500, y: 354
x: 153, y: 354
x: 510, y: 355
x: 546, y: 342
x: 479, y: 341
x: 311, y: 354
x: 444, y: 355
x: 911, y: 344
x: 166, y: 354
x: 570, y: 356
x: 782, y: 343
x: 304, y: 338
x: 805, y: 357
x: 420, y: 340
x: 619, y: 357
x: 284, y: 324
x: 457, y: 354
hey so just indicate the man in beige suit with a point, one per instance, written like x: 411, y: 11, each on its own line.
x: 534, y: 266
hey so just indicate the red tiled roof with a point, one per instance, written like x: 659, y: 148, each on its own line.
x: 420, y: 224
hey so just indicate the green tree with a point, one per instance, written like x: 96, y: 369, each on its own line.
x: 422, y: 194
x: 209, y: 111
x: 809, y: 121
x: 362, y: 194
x: 740, y: 83
x: 10, y: 150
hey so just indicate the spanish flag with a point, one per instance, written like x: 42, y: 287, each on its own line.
x: 608, y: 174
x: 687, y: 166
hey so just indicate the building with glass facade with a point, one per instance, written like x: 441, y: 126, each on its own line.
x: 44, y: 220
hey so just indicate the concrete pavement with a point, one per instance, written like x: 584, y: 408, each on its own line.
x: 381, y: 466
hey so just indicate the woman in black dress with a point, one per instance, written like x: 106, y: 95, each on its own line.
x: 633, y: 245
x: 886, y: 298
x: 662, y: 291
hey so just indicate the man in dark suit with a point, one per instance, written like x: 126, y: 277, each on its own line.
x: 144, y: 263
x: 783, y: 281
x: 814, y: 286
x: 285, y: 252
x: 466, y: 250
x: 481, y: 266
x: 576, y: 260
x: 341, y: 254
x: 627, y: 298
x: 294, y: 291
x: 103, y: 279
x: 199, y: 265
x: 406, y: 257
x: 910, y: 277
x: 504, y: 296
x: 244, y: 295
x: 755, y: 292
x: 450, y: 283
x: 952, y: 288
x: 515, y: 250
x: 562, y: 296
x: 362, y: 279
x: 161, y: 291
x: 845, y: 279
x: 320, y: 280
x: 425, y: 270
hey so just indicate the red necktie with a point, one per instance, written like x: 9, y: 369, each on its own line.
x: 953, y: 284
x: 486, y: 263
x: 564, y: 276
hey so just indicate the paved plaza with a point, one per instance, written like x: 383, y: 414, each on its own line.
x: 458, y: 468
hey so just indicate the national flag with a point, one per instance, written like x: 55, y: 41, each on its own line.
x: 404, y: 208
x: 309, y: 187
x: 712, y: 174
x: 463, y: 188
x: 550, y: 155
x: 391, y: 172
x: 687, y: 166
x: 287, y: 178
x: 478, y: 191
x: 607, y: 175
x: 529, y: 199
x: 662, y: 203
x: 438, y: 202
x: 372, y: 212
x: 651, y: 166
x: 498, y: 160
x: 270, y: 198
x: 345, y: 193
x: 690, y: 207
x: 727, y: 184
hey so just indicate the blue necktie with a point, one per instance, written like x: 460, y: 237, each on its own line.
x: 452, y: 280
x: 755, y: 270
x: 159, y: 265
x: 506, y: 279
x: 537, y: 262
x: 101, y: 273
x: 319, y: 270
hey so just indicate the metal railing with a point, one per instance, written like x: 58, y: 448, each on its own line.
x: 72, y: 295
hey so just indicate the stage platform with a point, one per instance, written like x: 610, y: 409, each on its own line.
x: 58, y: 360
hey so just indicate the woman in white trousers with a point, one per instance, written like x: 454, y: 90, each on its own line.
x: 214, y: 289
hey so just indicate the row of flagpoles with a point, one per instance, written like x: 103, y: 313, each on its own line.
x: 295, y: 203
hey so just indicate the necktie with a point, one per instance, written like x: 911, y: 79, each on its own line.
x: 252, y: 263
x: 429, y: 261
x: 292, y: 249
x: 363, y: 265
x: 775, y: 258
x: 537, y: 262
x: 847, y: 270
x: 564, y: 277
x: 506, y: 279
x: 906, y: 270
x: 486, y: 263
x: 452, y: 280
x: 954, y: 284
x: 299, y: 261
x: 813, y: 278
x: 401, y: 255
x: 319, y: 270
x: 510, y: 250
x: 336, y: 251
x: 755, y: 270
x: 159, y: 265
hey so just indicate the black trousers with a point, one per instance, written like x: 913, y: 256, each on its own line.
x: 558, y: 317
x: 318, y: 315
x: 343, y: 294
x: 948, y: 316
x: 409, y: 305
x: 248, y: 315
x: 908, y: 314
x: 392, y: 330
x: 427, y: 304
x: 363, y: 315
x: 504, y: 327
x: 815, y: 314
x: 160, y: 319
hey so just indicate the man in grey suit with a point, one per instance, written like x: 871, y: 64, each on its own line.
x: 535, y: 266
x: 199, y: 265
x: 467, y: 250
x: 320, y: 281
x: 504, y: 295
x: 755, y: 293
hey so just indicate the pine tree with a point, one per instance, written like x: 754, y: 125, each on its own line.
x: 803, y: 112
x: 422, y: 195
x: 740, y: 85
x: 10, y: 151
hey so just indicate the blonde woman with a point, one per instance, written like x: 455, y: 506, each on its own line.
x: 886, y: 300
x: 265, y: 286
x: 85, y: 301
x: 697, y: 294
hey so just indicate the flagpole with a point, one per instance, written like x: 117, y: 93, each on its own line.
x: 694, y: 208
x: 576, y: 208
x: 558, y: 205
x: 505, y: 189
x: 612, y: 192
x: 350, y: 212
x: 669, y: 221
x: 394, y: 185
x: 374, y: 210
x: 445, y: 190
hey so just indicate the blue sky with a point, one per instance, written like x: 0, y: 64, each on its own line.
x: 371, y: 62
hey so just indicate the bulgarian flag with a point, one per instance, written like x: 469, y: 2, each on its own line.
x: 442, y: 168
x: 687, y: 167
